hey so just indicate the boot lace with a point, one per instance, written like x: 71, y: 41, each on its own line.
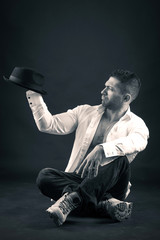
x: 67, y: 205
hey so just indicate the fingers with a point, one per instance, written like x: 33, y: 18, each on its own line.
x: 88, y: 168
x: 96, y: 168
x: 91, y: 170
x: 30, y: 92
x: 85, y: 169
x: 79, y: 170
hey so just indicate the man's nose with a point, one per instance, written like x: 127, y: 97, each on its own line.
x: 103, y: 91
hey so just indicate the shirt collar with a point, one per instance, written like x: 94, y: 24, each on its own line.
x: 101, y: 109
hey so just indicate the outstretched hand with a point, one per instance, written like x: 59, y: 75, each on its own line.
x: 90, y: 166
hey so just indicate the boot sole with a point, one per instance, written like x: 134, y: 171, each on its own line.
x: 121, y: 211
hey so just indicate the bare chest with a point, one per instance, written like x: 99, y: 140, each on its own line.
x: 102, y: 131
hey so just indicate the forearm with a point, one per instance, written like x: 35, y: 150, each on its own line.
x: 126, y: 146
x: 131, y: 144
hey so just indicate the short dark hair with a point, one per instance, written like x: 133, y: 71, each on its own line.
x: 130, y: 82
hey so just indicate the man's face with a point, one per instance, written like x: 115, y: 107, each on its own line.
x: 112, y: 97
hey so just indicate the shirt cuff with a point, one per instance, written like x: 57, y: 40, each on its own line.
x: 34, y: 99
x: 111, y: 150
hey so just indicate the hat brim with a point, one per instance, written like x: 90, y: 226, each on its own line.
x: 24, y: 86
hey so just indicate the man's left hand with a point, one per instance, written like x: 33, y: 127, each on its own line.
x: 90, y: 165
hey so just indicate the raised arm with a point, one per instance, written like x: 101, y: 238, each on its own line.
x: 59, y: 124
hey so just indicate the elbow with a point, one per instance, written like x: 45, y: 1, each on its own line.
x: 44, y: 126
x: 140, y: 142
x: 141, y: 146
x: 43, y: 129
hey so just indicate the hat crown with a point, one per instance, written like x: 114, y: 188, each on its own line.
x: 28, y: 78
x: 28, y: 74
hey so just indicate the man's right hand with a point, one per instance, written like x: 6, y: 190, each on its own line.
x: 90, y: 166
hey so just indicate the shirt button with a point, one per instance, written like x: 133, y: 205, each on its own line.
x: 30, y: 103
x: 28, y: 97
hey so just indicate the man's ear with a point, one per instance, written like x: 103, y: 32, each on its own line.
x: 127, y: 97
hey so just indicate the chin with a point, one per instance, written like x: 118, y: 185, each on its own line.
x: 104, y: 105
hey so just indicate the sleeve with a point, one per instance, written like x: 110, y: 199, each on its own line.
x: 59, y: 124
x: 134, y: 142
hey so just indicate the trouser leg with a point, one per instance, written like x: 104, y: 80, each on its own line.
x: 112, y: 178
x: 120, y: 189
x: 53, y: 182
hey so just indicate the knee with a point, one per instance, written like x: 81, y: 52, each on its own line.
x: 123, y: 164
x: 124, y: 161
x: 42, y: 177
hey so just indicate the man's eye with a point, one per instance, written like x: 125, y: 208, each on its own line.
x: 110, y: 88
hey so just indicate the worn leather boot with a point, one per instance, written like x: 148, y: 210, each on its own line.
x: 60, y: 209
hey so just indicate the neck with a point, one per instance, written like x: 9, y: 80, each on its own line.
x: 114, y: 115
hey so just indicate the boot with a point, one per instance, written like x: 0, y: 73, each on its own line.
x: 61, y: 209
x: 116, y: 209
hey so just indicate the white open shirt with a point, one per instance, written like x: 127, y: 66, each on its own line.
x: 127, y: 137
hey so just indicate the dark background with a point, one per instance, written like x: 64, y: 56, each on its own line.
x: 75, y: 44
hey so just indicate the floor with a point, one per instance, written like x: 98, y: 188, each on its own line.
x: 23, y: 216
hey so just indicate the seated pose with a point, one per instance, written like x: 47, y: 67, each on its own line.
x: 107, y: 139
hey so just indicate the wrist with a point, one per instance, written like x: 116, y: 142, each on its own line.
x: 99, y: 148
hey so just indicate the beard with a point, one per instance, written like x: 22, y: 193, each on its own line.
x: 112, y: 104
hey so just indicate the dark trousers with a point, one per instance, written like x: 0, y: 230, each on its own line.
x: 112, y: 179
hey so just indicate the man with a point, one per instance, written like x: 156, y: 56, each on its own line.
x: 107, y: 139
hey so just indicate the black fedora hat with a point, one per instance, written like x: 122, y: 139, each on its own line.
x: 27, y: 78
